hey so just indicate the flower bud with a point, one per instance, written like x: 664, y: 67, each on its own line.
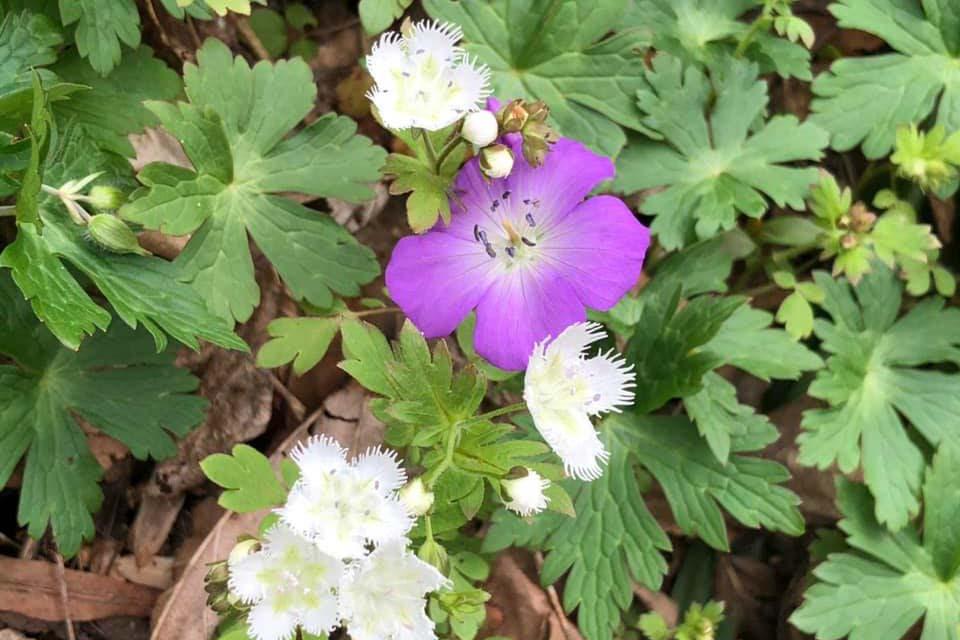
x: 537, y: 138
x: 526, y: 493
x: 496, y: 161
x: 861, y: 218
x: 432, y: 553
x: 513, y: 116
x: 113, y: 234
x: 242, y: 549
x: 103, y: 197
x: 480, y: 128
x: 416, y: 498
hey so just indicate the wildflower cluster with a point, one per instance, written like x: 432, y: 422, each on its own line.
x: 339, y: 554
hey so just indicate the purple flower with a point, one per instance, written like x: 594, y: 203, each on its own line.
x: 528, y: 252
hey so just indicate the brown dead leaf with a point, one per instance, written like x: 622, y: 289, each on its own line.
x: 519, y: 608
x: 240, y: 396
x: 182, y: 613
x: 154, y: 519
x: 31, y: 588
x: 157, y: 573
x: 156, y: 145
x: 814, y: 486
x: 944, y: 213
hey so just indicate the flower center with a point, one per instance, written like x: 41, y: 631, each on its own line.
x: 512, y: 241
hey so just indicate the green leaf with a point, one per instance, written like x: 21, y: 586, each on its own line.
x: 666, y: 347
x: 271, y: 29
x: 116, y: 383
x: 31, y: 183
x: 303, y: 341
x: 428, y: 199
x: 888, y: 581
x: 113, y: 106
x: 796, y: 315
x: 714, y: 163
x: 101, y: 27
x: 142, y: 290
x: 299, y: 16
x: 248, y: 479
x: 862, y: 101
x: 377, y: 15
x: 720, y: 417
x: 27, y: 40
x: 707, y: 31
x: 941, y: 508
x: 874, y: 389
x: 558, y: 52
x: 233, y: 130
x: 613, y: 542
x: 697, y: 484
x: 422, y: 387
x: 747, y: 341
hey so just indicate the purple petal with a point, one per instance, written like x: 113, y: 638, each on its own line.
x: 568, y: 174
x: 599, y: 249
x: 520, y: 309
x: 437, y: 279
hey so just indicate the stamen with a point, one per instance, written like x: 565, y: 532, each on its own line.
x: 511, y: 252
x: 476, y: 232
x: 530, y: 220
x: 494, y: 205
x: 482, y: 236
x: 490, y: 250
x: 506, y: 194
x: 528, y: 242
x: 511, y: 232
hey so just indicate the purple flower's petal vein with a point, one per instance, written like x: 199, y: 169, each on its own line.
x: 437, y: 279
x: 520, y: 309
x: 599, y: 249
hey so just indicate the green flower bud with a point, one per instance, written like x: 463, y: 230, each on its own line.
x: 103, y: 197
x: 432, y: 553
x: 113, y: 234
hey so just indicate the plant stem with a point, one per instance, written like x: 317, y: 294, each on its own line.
x: 8, y: 210
x: 446, y: 151
x: 451, y: 447
x: 428, y: 147
x: 430, y: 477
x: 502, y: 411
x: 371, y: 312
x: 760, y: 23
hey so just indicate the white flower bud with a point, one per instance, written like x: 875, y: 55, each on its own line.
x: 526, y: 493
x: 416, y: 498
x: 496, y: 161
x: 480, y: 128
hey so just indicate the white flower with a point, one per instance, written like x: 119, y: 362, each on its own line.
x: 289, y: 582
x: 480, y: 128
x: 342, y: 506
x: 416, y: 498
x: 526, y: 493
x: 424, y: 79
x: 382, y: 596
x: 563, y: 389
x: 496, y: 161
